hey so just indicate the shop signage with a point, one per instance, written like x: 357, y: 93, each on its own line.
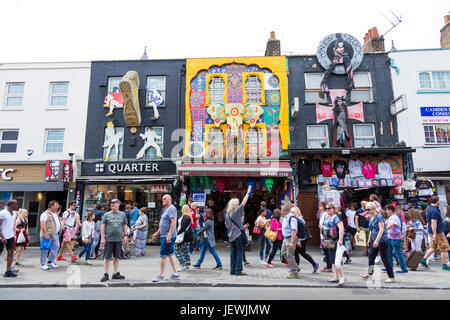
x: 199, y: 197
x: 159, y: 188
x: 127, y: 168
x: 58, y: 170
x: 435, y: 114
x: 4, y: 174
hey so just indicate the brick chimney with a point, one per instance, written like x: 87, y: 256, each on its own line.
x: 373, y: 42
x: 445, y: 32
x: 273, y: 46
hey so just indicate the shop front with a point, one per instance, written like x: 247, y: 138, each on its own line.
x: 142, y: 184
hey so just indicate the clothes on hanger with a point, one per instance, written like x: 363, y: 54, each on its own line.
x: 385, y: 170
x: 425, y: 187
x: 340, y: 167
x: 355, y: 168
x: 368, y: 170
x: 304, y: 171
x: 327, y: 169
x: 409, y: 185
x: 316, y: 167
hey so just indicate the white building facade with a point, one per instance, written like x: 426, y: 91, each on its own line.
x: 43, y: 109
x: 422, y: 78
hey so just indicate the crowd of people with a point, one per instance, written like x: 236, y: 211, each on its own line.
x: 410, y: 235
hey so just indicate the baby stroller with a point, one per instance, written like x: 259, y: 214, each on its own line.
x: 126, y: 253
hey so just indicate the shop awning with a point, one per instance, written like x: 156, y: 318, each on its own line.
x: 263, y: 169
x: 374, y: 150
x: 38, y: 186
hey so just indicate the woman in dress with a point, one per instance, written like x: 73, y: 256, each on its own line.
x: 141, y: 227
x: 21, y: 227
x: 182, y: 249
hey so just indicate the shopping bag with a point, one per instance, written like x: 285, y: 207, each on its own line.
x: 45, y: 244
x: 339, y: 253
x: 21, y: 237
x: 360, y: 239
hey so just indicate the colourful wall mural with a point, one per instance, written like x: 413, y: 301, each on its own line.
x: 237, y: 107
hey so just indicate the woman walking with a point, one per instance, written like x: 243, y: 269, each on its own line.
x: 416, y: 224
x: 87, y: 235
x: 22, y: 239
x: 378, y: 242
x: 275, y: 225
x: 301, y: 244
x: 182, y: 249
x: 333, y: 232
x: 97, y: 235
x: 141, y: 227
x: 209, y: 242
x: 261, y: 223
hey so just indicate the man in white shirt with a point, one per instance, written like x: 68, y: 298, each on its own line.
x: 50, y: 230
x: 71, y: 223
x: 7, y: 220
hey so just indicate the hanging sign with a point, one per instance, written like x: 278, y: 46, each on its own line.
x: 198, y: 197
x: 159, y: 188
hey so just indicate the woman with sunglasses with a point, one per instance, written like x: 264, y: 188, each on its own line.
x: 378, y: 242
x: 333, y: 232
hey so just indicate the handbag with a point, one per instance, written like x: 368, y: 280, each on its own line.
x: 21, y: 237
x: 180, y: 238
x: 329, y: 244
x: 411, y: 234
x: 45, y: 244
x: 270, y: 234
x: 256, y: 230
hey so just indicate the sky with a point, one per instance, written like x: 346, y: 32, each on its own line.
x: 82, y: 30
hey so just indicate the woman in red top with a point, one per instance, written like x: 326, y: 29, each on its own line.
x: 195, y: 245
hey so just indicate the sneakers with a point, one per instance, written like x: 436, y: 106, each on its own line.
x: 183, y: 268
x: 242, y: 274
x: 326, y: 270
x: 424, y: 263
x: 60, y: 258
x: 14, y: 270
x: 129, y: 86
x: 246, y: 263
x: 270, y: 265
x: 9, y: 274
x: 348, y: 261
x: 158, y: 278
x: 261, y: 261
x: 445, y: 267
x: 293, y: 276
x: 401, y: 271
x: 218, y: 268
x: 366, y: 276
x: 196, y: 266
x: 74, y: 259
x: 174, y: 277
x: 389, y: 280
x: 117, y: 276
x: 105, y: 278
x: 316, y: 267
x: 19, y: 263
x: 88, y: 263
x: 52, y: 265
x: 44, y: 267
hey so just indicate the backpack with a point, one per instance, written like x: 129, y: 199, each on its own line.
x: 302, y: 229
x: 404, y: 227
x: 446, y: 226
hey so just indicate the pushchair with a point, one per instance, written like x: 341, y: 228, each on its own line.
x: 126, y: 253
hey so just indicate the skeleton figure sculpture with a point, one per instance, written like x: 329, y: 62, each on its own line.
x: 155, y: 100
x: 340, y: 122
x: 149, y: 141
x: 112, y: 139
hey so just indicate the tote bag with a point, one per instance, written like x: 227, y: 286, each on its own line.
x: 360, y: 239
x: 21, y: 237
x: 45, y: 244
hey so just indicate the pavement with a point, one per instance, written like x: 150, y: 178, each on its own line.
x: 139, y: 271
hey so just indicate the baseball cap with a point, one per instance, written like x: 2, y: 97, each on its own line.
x: 423, y: 205
x: 115, y: 200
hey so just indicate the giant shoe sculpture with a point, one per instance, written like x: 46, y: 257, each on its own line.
x: 129, y: 86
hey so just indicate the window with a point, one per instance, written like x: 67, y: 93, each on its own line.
x: 216, y: 90
x: 215, y: 143
x: 255, y: 142
x: 363, y: 87
x: 151, y: 153
x: 317, y: 135
x: 253, y: 89
x: 8, y: 141
x: 437, y: 80
x: 54, y: 140
x: 439, y: 134
x: 313, y: 92
x: 364, y: 135
x: 115, y: 142
x: 157, y: 83
x: 58, y: 94
x: 14, y: 94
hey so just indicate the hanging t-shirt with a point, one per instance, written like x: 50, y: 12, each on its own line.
x: 304, y: 170
x: 368, y: 170
x: 355, y: 168
x: 409, y: 185
x: 316, y: 167
x: 341, y: 168
x: 327, y: 169
x: 425, y: 188
x: 385, y: 170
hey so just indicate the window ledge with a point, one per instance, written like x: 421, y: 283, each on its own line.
x: 432, y: 91
x: 11, y: 109
x: 56, y: 108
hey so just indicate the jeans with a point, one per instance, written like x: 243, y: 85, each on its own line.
x: 196, y: 242
x: 263, y: 241
x: 302, y: 251
x: 276, y: 245
x: 395, y: 249
x: 86, y: 249
x: 51, y: 254
x: 236, y: 256
x: 383, y: 249
x: 330, y: 256
x: 206, y: 246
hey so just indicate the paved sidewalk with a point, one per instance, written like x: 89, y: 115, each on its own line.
x: 139, y: 271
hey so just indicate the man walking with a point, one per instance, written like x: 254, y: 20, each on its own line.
x: 50, y: 230
x: 113, y: 234
x: 289, y: 231
x: 71, y: 223
x: 166, y: 231
x: 7, y: 220
x: 134, y: 214
x: 435, y: 230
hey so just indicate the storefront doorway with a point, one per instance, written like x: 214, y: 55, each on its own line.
x: 308, y: 204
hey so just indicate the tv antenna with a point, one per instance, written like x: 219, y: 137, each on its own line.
x: 395, y: 22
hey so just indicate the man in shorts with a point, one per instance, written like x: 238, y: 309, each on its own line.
x: 7, y: 220
x: 113, y: 235
x: 71, y: 223
x: 167, y: 232
x: 435, y: 230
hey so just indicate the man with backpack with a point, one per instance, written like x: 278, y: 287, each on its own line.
x: 71, y: 223
x: 289, y: 231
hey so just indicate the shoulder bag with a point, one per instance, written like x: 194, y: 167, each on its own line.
x: 243, y: 236
x: 270, y: 234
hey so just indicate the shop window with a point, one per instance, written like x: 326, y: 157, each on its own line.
x: 364, y: 135
x: 157, y: 83
x: 14, y: 94
x: 8, y: 141
x: 54, y: 140
x: 215, y: 143
x: 151, y: 153
x: 318, y: 136
x: 437, y: 134
x: 255, y: 143
x: 313, y: 91
x: 58, y: 94
x: 216, y: 90
x: 253, y: 89
x: 115, y: 153
x: 363, y: 87
x: 436, y: 80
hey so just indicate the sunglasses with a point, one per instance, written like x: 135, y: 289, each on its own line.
x: 328, y: 208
